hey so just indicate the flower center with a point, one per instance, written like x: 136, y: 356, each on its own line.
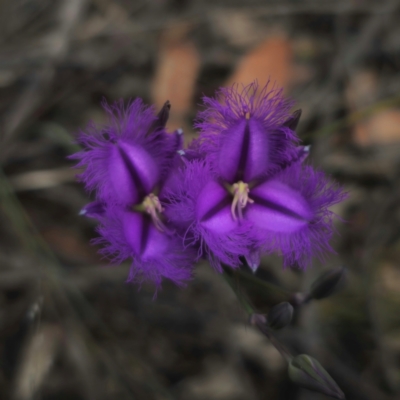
x: 240, y: 191
x: 152, y: 206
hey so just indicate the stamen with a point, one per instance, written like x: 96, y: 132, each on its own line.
x: 153, y: 207
x: 240, y: 198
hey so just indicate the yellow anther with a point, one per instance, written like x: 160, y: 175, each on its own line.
x: 247, y: 115
x: 153, y: 207
x: 240, y: 198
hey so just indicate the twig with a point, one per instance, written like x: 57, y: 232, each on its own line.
x: 354, y: 117
x: 58, y: 42
x: 34, y: 180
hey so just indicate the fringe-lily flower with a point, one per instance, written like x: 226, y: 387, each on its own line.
x: 126, y: 163
x: 201, y: 207
x: 251, y: 193
x: 240, y: 190
x: 129, y: 157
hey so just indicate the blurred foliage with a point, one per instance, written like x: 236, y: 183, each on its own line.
x: 71, y: 328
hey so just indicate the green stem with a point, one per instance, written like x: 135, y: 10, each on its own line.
x: 283, y: 294
x: 239, y: 293
x: 261, y: 322
x: 261, y: 325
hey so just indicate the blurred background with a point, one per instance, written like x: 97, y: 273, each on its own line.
x: 70, y: 327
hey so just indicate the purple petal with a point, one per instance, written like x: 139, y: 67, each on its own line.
x: 292, y: 214
x: 278, y: 208
x: 243, y: 134
x: 260, y: 152
x: 194, y: 197
x: 132, y: 173
x: 214, y: 209
x: 156, y: 255
x: 126, y: 158
x: 233, y: 151
x: 244, y: 152
x: 141, y: 234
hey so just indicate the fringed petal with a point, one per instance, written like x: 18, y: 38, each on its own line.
x: 125, y: 159
x: 194, y: 197
x: 296, y: 220
x: 156, y: 255
x: 244, y: 132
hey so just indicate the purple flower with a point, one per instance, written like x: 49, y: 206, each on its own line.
x: 250, y: 192
x: 156, y: 253
x: 238, y: 191
x: 126, y: 163
x: 200, y: 207
x: 127, y: 158
x: 247, y: 136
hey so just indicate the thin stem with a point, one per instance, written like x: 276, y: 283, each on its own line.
x: 354, y: 117
x: 239, y: 293
x: 284, y: 294
x: 257, y: 319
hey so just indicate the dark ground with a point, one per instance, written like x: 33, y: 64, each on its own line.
x: 70, y: 327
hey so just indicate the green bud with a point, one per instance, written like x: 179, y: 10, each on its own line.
x: 326, y: 284
x: 307, y: 372
x: 280, y: 316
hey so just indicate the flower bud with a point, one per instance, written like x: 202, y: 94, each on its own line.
x: 326, y: 284
x: 307, y: 372
x: 253, y: 260
x: 280, y: 316
x: 257, y: 320
x: 292, y: 122
x: 162, y: 118
x: 178, y: 139
x: 304, y: 152
x: 94, y: 209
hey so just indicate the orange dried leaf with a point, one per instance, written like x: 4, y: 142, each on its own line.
x: 272, y: 59
x: 175, y: 79
x: 381, y: 128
